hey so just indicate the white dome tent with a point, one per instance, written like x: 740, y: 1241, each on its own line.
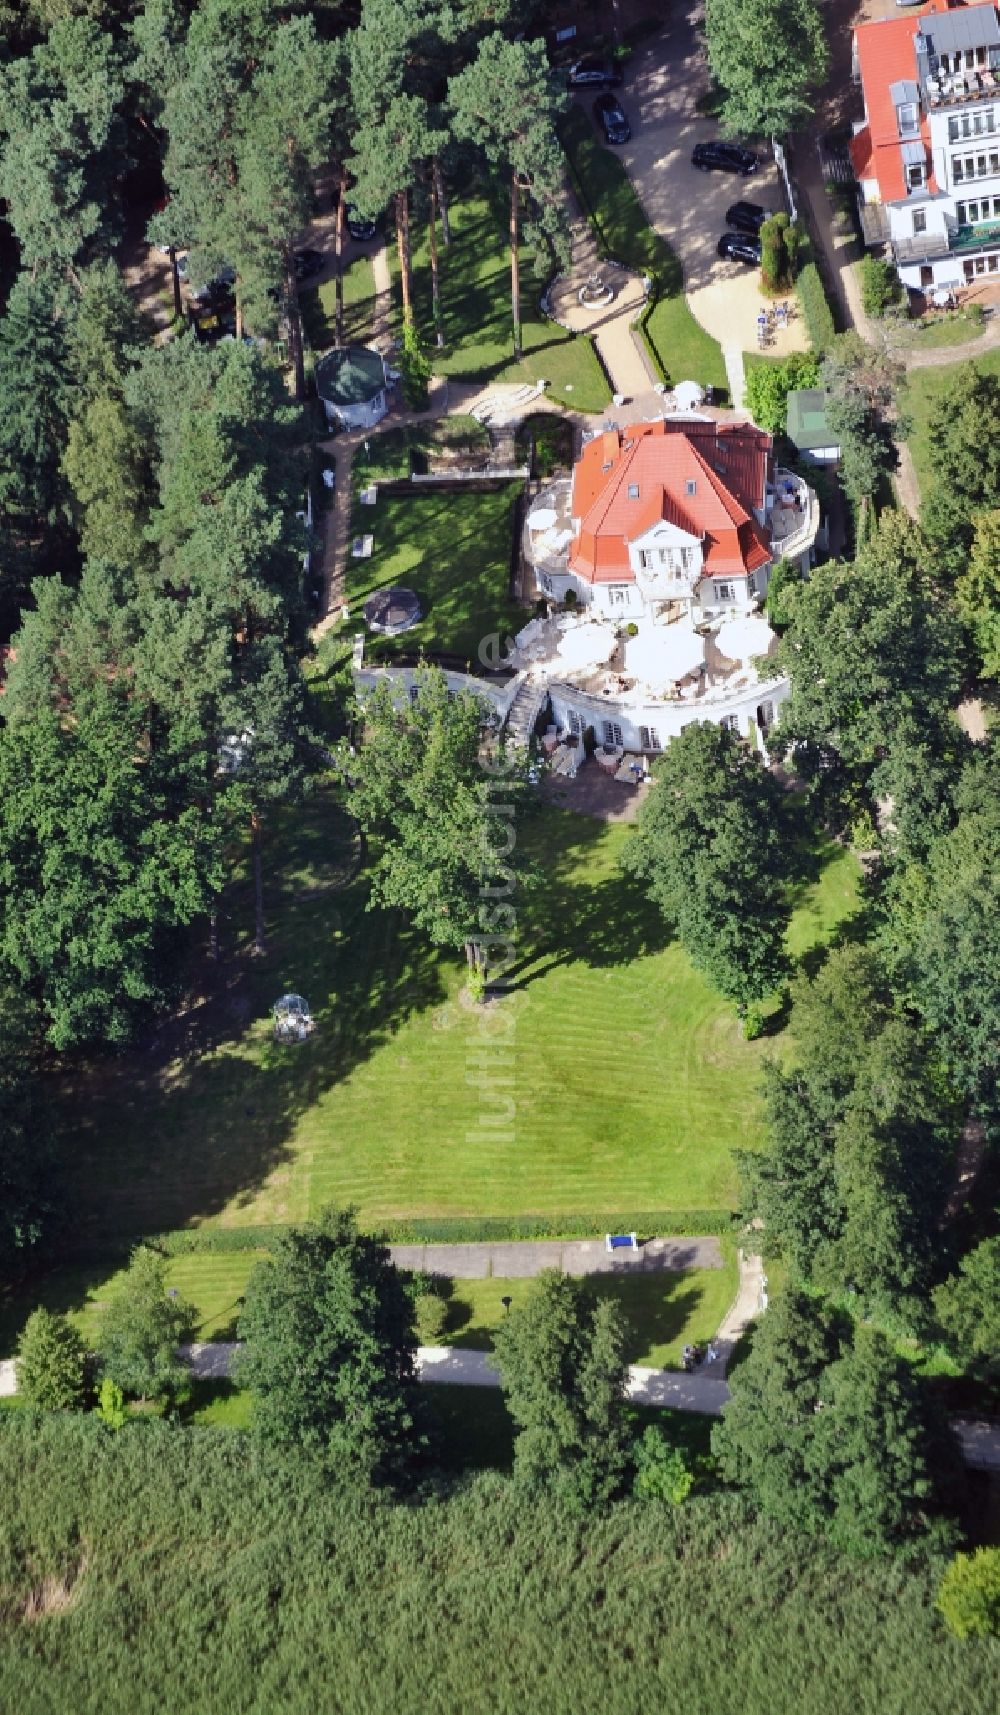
x: 293, y: 1021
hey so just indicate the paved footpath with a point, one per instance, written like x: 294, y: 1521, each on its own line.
x: 521, y: 1259
x: 458, y: 1366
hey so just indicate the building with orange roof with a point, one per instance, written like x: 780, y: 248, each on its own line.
x: 657, y: 552
x: 681, y: 510
x: 926, y: 155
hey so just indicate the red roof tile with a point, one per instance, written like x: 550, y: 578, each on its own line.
x: 886, y: 55
x: 860, y: 150
x: 662, y: 461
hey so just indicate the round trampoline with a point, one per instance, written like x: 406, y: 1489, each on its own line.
x: 392, y: 611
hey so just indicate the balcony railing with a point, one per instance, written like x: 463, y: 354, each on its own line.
x: 974, y: 237
x: 922, y: 248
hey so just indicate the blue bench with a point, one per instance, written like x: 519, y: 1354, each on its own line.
x: 620, y: 1242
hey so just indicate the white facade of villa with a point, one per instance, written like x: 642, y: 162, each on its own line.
x: 646, y: 725
x: 666, y: 527
x: 927, y: 153
x: 663, y: 540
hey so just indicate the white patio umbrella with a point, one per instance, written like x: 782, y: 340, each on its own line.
x: 587, y: 645
x: 664, y: 654
x: 688, y: 395
x: 542, y: 518
x: 744, y: 637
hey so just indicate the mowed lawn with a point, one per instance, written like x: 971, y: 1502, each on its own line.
x: 611, y: 1078
x: 319, y: 306
x: 664, y: 1310
x: 923, y: 389
x: 454, y: 550
x: 476, y: 311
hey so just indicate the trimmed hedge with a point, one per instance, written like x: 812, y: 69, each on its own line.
x: 462, y: 1229
x: 816, y: 309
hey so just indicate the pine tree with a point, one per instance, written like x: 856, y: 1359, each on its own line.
x: 62, y: 145
x: 51, y: 1363
x: 507, y: 102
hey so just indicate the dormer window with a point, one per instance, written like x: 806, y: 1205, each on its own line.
x: 914, y: 178
x: 907, y: 116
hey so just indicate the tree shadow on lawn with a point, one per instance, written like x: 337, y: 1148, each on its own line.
x: 198, y: 1118
x: 654, y: 1317
x: 603, y: 923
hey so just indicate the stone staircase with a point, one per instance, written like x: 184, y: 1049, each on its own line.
x: 524, y: 712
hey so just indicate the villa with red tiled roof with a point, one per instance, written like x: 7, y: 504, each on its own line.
x: 676, y: 511
x: 927, y: 153
x: 654, y: 559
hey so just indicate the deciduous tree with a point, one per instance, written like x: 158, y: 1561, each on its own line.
x: 965, y: 461
x: 849, y: 1185
x: 141, y: 1330
x: 977, y: 590
x: 709, y: 847
x: 563, y: 1370
x: 445, y: 817
x: 329, y: 1351
x: 968, y: 1308
x: 862, y: 382
x: 969, y: 1594
x: 769, y: 57
x: 769, y: 384
x: 874, y: 652
x: 943, y: 931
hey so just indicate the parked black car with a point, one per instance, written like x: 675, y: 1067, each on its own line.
x: 593, y: 73
x: 308, y: 262
x: 740, y: 247
x: 359, y: 225
x: 611, y: 117
x: 746, y: 217
x: 725, y: 157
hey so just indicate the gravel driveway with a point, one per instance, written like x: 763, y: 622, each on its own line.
x: 686, y: 206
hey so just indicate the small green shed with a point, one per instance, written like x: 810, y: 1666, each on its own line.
x: 807, y: 428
